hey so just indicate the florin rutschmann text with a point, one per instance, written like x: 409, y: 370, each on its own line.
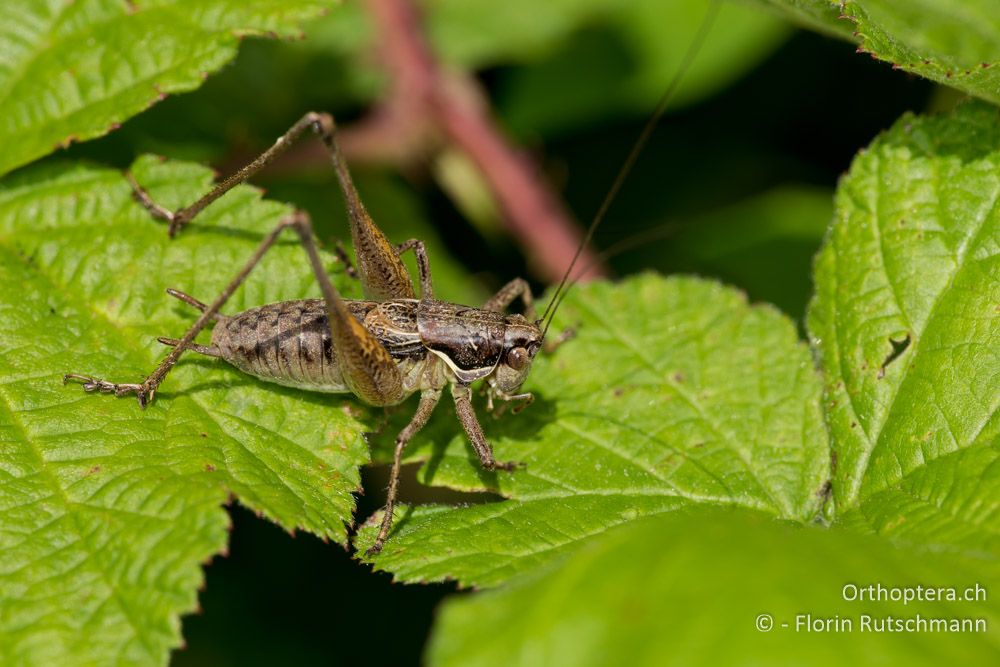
x: 871, y: 620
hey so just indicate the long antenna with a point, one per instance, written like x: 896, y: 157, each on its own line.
x: 637, y: 147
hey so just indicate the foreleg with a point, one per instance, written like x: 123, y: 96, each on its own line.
x: 470, y: 423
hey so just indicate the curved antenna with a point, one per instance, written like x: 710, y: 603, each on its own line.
x: 626, y: 168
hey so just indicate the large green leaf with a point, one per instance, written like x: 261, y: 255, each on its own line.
x: 689, y: 589
x: 107, y: 511
x: 676, y: 392
x: 71, y: 71
x: 906, y: 324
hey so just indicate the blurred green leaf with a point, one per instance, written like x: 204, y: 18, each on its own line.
x: 483, y: 33
x: 621, y: 56
x: 71, y: 71
x: 688, y: 589
x: 674, y: 393
x: 905, y: 321
x: 820, y: 15
x: 764, y: 244
x: 107, y: 511
x: 589, y: 58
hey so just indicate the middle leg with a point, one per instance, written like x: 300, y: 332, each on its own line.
x: 423, y: 265
x: 428, y: 400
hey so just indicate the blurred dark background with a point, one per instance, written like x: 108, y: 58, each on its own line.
x: 737, y: 184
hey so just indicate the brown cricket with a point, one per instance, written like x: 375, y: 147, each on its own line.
x: 382, y: 349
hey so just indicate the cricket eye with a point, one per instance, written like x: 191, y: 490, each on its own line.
x: 518, y: 358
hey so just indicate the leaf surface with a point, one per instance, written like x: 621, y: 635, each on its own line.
x: 906, y: 322
x: 955, y: 43
x: 689, y: 588
x: 71, y: 71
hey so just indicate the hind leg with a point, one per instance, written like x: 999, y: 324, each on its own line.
x: 428, y: 400
x: 382, y: 273
x: 368, y: 368
x: 146, y: 390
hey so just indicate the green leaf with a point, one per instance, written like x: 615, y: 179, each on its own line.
x: 688, y: 590
x: 620, y: 57
x: 483, y: 33
x: 956, y: 43
x: 107, y: 511
x: 765, y: 244
x: 905, y: 321
x: 595, y: 57
x: 71, y: 71
x: 820, y: 15
x: 674, y: 393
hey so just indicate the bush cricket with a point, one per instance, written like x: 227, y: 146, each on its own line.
x: 388, y: 346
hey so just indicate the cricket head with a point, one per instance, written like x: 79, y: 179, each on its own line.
x: 522, y: 340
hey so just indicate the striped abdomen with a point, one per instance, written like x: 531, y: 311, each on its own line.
x: 289, y: 342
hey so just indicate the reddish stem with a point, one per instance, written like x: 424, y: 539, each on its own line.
x: 424, y: 99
